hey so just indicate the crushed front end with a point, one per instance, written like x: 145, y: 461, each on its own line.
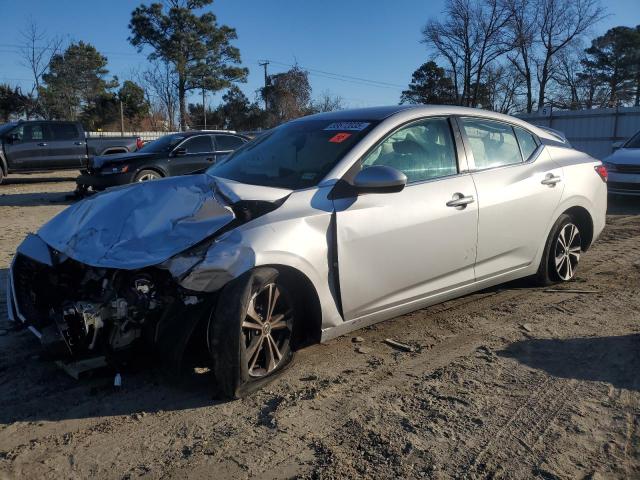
x: 79, y: 311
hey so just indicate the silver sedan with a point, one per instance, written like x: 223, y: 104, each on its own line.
x: 319, y: 227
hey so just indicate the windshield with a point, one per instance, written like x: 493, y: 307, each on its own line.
x: 6, y: 127
x: 163, y: 144
x: 634, y: 142
x: 295, y: 155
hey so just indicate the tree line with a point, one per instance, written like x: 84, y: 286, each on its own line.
x: 504, y: 55
x: 188, y: 52
x: 520, y: 55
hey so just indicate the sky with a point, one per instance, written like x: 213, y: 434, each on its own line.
x: 376, y: 40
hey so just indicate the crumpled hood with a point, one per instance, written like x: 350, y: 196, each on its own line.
x: 625, y: 156
x: 99, y: 161
x: 145, y: 223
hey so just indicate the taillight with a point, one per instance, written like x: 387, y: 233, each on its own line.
x: 139, y: 143
x: 602, y: 171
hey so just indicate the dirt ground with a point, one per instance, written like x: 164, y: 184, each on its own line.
x: 511, y: 382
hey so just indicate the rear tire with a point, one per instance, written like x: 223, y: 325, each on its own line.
x: 561, y: 254
x: 250, y: 332
x: 1, y: 175
x: 146, y: 175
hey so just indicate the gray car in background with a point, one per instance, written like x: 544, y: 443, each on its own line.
x: 319, y: 227
x: 623, y: 166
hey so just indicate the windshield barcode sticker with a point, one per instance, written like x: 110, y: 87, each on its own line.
x: 357, y: 126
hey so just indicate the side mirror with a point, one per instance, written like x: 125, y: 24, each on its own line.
x: 617, y: 145
x: 379, y: 179
x: 178, y: 152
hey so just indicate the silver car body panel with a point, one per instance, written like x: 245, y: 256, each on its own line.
x: 394, y: 252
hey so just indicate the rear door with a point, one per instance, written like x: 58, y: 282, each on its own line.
x: 30, y: 150
x: 193, y: 155
x: 227, y: 144
x: 397, y: 249
x: 519, y: 188
x: 67, y: 147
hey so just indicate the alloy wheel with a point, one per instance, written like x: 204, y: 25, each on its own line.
x: 147, y: 176
x: 567, y: 251
x: 267, y: 330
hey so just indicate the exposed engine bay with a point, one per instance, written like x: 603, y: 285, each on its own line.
x: 81, y: 310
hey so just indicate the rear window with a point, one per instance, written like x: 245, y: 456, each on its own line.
x: 634, y: 142
x: 64, y: 131
x: 528, y: 143
x: 227, y: 143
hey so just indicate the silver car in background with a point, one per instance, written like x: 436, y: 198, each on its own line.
x: 623, y: 166
x: 319, y: 227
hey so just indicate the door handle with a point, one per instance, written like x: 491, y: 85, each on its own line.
x: 460, y: 201
x: 78, y: 143
x: 42, y: 144
x: 210, y: 159
x: 551, y: 180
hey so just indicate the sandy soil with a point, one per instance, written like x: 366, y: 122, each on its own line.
x: 511, y: 382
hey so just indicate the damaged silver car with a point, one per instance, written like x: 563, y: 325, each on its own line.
x: 321, y: 226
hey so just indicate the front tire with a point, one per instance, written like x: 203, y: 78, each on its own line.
x: 147, y: 175
x: 561, y: 254
x: 250, y: 332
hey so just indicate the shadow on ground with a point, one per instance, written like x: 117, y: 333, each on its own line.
x: 36, y: 178
x: 614, y: 360
x: 36, y: 199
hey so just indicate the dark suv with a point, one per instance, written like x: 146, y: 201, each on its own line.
x: 176, y: 154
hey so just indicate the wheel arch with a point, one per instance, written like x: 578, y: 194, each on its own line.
x: 308, y: 327
x: 153, y: 168
x: 114, y: 150
x: 584, y: 221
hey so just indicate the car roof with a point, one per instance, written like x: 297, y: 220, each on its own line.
x: 382, y: 113
x: 200, y: 132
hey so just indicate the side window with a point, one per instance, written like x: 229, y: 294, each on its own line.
x: 528, y: 143
x: 421, y: 150
x: 64, y: 131
x: 225, y: 143
x: 31, y: 132
x: 199, y: 144
x: 493, y: 143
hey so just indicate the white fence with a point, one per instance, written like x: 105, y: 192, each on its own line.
x: 592, y: 131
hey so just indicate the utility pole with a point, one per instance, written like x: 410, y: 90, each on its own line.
x: 266, y: 81
x: 121, y: 119
x: 204, y: 108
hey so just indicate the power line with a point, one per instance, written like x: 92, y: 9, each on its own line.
x: 342, y: 76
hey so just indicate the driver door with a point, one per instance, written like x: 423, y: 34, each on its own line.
x: 397, y: 249
x: 30, y: 150
x: 194, y: 155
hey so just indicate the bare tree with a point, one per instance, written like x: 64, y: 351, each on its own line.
x: 327, y: 103
x: 472, y: 37
x: 559, y: 24
x: 503, y: 88
x: 160, y: 84
x: 36, y: 52
x: 522, y: 27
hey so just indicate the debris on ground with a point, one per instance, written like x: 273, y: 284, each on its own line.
x: 357, y: 339
x: 569, y: 290
x: 527, y: 327
x: 361, y: 349
x: 398, y: 345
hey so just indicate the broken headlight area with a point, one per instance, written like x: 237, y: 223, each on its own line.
x: 82, y: 311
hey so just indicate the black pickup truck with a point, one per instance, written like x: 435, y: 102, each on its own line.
x: 41, y: 145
